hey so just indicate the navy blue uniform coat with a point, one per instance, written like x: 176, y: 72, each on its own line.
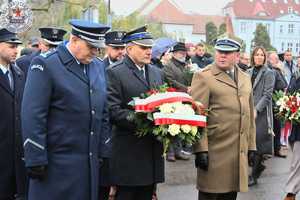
x: 64, y: 116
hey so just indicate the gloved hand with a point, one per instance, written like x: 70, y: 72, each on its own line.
x: 201, y: 160
x: 37, y: 172
x: 251, y: 157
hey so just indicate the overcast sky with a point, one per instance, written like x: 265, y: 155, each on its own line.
x: 208, y: 7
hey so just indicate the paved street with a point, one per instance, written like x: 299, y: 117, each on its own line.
x: 180, y: 178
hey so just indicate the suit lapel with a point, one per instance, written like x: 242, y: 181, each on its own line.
x: 71, y: 64
x: 238, y: 75
x: 259, y: 75
x: 4, y: 83
x: 135, y: 71
x: 93, y: 72
x: 77, y: 70
x: 19, y: 81
x: 223, y: 77
x: 153, y: 82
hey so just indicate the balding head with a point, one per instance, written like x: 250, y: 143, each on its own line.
x: 273, y: 58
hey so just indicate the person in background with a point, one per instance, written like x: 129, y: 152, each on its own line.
x: 292, y: 186
x: 13, y: 183
x: 263, y: 81
x: 202, y: 58
x: 291, y: 72
x: 115, y: 47
x: 280, y: 85
x: 174, y: 75
x: 298, y: 62
x: 222, y: 154
x: 244, y: 61
x: 50, y: 38
x: 191, y: 52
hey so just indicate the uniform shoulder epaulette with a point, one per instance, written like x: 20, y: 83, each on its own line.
x: 47, y: 54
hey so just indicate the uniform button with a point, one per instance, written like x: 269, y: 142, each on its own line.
x: 92, y: 132
x: 91, y: 154
x: 93, y: 112
x: 91, y: 91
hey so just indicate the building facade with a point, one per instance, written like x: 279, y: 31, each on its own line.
x: 281, y: 18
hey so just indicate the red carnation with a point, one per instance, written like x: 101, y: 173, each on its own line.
x: 171, y: 89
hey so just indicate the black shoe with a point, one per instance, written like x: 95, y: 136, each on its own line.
x: 278, y: 154
x: 252, y: 181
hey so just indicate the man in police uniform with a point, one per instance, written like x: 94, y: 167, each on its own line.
x: 136, y: 162
x: 222, y: 153
x: 65, y: 119
x: 50, y: 38
x: 115, y: 47
x: 12, y: 80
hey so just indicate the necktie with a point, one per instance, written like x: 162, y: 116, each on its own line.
x: 230, y: 74
x: 6, y: 75
x: 142, y: 72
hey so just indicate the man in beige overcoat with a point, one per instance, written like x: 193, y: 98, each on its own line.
x: 222, y: 153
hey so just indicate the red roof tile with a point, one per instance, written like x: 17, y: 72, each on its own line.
x: 272, y: 8
x: 168, y: 13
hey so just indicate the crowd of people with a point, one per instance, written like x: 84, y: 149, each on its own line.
x: 65, y: 131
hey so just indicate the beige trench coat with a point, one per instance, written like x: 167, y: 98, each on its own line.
x: 230, y: 131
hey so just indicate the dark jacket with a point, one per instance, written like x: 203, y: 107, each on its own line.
x: 12, y: 168
x: 202, y: 61
x: 280, y: 82
x: 262, y: 94
x: 135, y: 161
x: 24, y: 61
x: 174, y: 74
x: 295, y: 134
x: 64, y: 121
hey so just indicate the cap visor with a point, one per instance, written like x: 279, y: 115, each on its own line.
x: 226, y: 48
x: 97, y: 45
x: 56, y: 43
x: 14, y: 42
x: 144, y: 42
x: 116, y: 45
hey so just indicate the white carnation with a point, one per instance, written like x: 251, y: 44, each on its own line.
x: 186, y: 128
x: 174, y: 129
x: 166, y: 108
x: 194, y: 130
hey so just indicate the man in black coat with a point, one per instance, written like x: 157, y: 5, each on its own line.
x: 50, y: 38
x: 115, y: 47
x: 12, y: 80
x: 202, y: 59
x: 136, y: 162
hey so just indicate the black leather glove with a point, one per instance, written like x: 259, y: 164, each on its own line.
x: 201, y: 160
x: 251, y: 157
x: 37, y: 172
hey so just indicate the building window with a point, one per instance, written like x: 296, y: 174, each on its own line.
x: 281, y: 29
x: 268, y: 28
x: 290, y: 10
x: 290, y: 46
x: 282, y: 46
x: 291, y: 28
x: 243, y: 27
x: 297, y: 47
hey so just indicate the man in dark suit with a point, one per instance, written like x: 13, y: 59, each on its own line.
x: 115, y: 47
x: 65, y: 118
x: 50, y: 39
x: 136, y: 162
x: 12, y: 80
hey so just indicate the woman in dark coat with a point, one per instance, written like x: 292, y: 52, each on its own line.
x: 263, y: 80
